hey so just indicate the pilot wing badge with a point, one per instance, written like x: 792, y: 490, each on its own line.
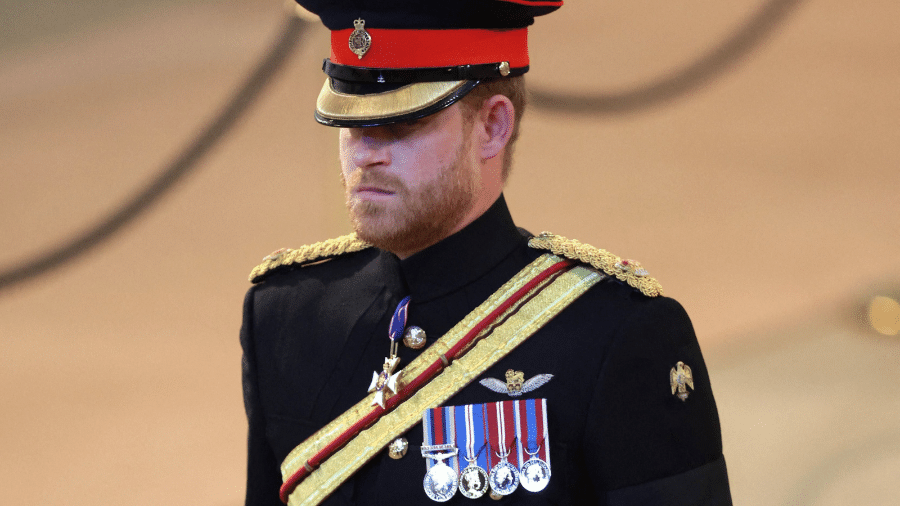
x: 515, y: 383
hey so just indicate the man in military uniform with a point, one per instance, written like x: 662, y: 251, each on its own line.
x: 428, y: 98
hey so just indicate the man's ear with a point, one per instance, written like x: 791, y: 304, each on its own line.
x: 496, y: 121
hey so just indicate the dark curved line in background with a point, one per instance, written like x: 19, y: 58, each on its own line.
x: 174, y: 172
x: 693, y: 76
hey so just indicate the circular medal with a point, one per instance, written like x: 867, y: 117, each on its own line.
x: 535, y: 475
x: 414, y: 337
x: 473, y: 481
x: 441, y: 482
x: 504, y: 478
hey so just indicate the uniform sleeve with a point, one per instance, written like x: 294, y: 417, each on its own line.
x: 263, y: 471
x: 643, y: 445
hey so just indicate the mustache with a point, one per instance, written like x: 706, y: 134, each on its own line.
x: 372, y: 178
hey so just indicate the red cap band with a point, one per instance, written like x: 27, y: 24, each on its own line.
x: 405, y: 49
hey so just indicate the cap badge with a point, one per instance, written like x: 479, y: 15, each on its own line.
x: 360, y: 40
x: 515, y: 384
x: 680, y: 377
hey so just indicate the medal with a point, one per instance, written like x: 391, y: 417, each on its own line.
x: 535, y: 473
x: 473, y: 480
x: 386, y: 380
x: 441, y: 480
x: 504, y: 476
x: 503, y: 444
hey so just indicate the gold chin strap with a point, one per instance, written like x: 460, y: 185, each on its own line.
x: 516, y: 325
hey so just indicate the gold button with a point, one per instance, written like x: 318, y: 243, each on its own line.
x: 397, y: 448
x: 414, y: 337
x: 504, y: 69
x: 495, y: 496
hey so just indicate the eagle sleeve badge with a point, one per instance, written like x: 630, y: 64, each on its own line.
x: 680, y: 377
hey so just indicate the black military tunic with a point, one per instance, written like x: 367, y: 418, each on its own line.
x: 312, y: 337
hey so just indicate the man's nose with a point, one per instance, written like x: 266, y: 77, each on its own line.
x: 372, y: 150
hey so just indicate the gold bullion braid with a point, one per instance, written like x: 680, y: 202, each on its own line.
x: 625, y: 270
x: 310, y: 253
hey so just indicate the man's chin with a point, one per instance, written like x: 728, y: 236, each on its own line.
x: 385, y: 232
x: 374, y: 228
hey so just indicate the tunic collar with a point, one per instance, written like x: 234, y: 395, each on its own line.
x: 463, y: 257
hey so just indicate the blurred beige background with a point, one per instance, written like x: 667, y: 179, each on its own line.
x: 765, y: 200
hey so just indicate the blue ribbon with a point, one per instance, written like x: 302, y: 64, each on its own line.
x: 398, y: 321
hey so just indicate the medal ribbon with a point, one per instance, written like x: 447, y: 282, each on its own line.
x: 398, y: 320
x: 469, y: 420
x: 427, y: 434
x: 510, y: 431
x: 520, y: 425
x: 438, y: 426
x: 534, y: 414
x: 486, y: 423
x: 501, y: 428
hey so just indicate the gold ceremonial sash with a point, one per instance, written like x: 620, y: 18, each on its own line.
x: 516, y: 325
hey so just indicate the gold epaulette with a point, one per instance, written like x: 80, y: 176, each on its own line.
x: 625, y: 270
x: 307, y: 254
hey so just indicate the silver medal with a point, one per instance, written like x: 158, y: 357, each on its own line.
x: 504, y: 476
x: 535, y: 475
x: 441, y: 481
x: 473, y: 481
x: 535, y: 472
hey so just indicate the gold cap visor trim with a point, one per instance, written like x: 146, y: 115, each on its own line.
x: 338, y: 107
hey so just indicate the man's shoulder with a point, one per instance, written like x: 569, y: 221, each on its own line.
x: 627, y: 272
x: 626, y: 295
x: 337, y: 253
